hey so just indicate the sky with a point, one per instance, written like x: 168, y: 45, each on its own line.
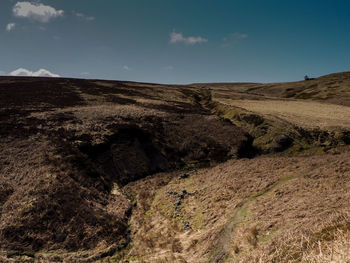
x: 175, y: 41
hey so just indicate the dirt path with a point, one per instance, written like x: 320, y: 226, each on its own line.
x: 224, y: 246
x: 223, y: 251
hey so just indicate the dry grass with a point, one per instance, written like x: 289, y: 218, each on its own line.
x: 273, y: 203
x: 336, y: 250
x: 329, y: 243
x: 333, y: 88
x: 305, y: 114
x: 94, y: 119
x: 65, y: 159
x: 56, y: 206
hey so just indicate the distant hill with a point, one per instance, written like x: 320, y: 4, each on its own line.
x: 333, y: 88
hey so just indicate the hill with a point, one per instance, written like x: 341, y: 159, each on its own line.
x: 112, y: 171
x: 331, y: 88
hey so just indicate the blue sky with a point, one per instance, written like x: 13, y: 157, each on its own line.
x: 176, y: 41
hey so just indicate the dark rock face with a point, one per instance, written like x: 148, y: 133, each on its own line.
x: 203, y: 138
x: 345, y: 137
x: 127, y: 156
x: 156, y: 145
x: 281, y: 143
x: 253, y: 119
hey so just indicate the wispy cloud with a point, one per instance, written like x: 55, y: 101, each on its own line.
x: 27, y: 73
x: 126, y: 68
x: 233, y: 38
x: 169, y: 67
x: 85, y: 73
x: 36, y: 11
x: 238, y: 35
x: 83, y: 16
x: 179, y: 38
x: 10, y: 26
x: 2, y: 72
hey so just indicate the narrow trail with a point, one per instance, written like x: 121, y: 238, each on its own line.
x: 223, y: 248
x: 223, y: 251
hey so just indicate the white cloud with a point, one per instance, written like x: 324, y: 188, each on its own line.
x: 84, y: 73
x: 169, y: 67
x: 10, y: 26
x: 126, y: 68
x: 36, y: 11
x: 179, y: 38
x: 85, y: 17
x: 27, y: 73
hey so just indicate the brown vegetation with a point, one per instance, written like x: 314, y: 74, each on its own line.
x: 110, y: 171
x: 69, y: 145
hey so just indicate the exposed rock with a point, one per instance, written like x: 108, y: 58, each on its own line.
x: 183, y: 193
x: 171, y: 192
x: 186, y: 225
x: 180, y: 197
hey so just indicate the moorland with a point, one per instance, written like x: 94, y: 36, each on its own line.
x: 118, y: 171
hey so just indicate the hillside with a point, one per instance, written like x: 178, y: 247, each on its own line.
x: 331, y: 88
x: 112, y: 171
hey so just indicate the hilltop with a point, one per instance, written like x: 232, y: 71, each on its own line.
x: 116, y: 171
